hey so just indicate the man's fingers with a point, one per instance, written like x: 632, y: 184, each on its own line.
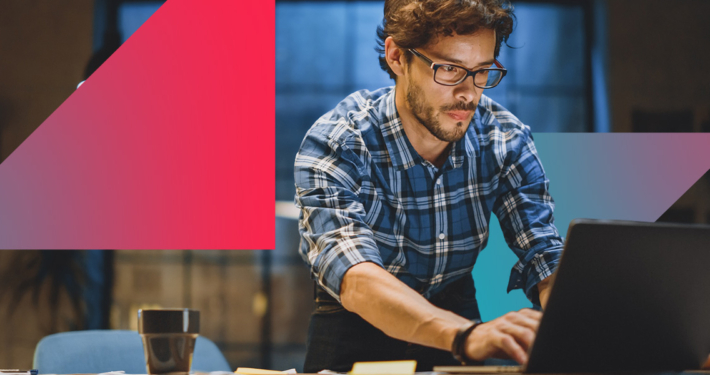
x: 510, y: 335
x: 525, y: 320
x: 530, y: 313
x: 511, y: 347
x: 523, y: 335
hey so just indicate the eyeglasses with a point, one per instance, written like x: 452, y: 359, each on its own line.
x: 452, y: 75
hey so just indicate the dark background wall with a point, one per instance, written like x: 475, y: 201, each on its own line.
x: 659, y: 54
x: 44, y: 48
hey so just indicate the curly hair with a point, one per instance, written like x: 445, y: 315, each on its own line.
x: 413, y: 23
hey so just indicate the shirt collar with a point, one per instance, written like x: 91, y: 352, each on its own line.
x: 402, y: 153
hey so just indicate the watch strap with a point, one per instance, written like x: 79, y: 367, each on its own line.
x: 458, y: 348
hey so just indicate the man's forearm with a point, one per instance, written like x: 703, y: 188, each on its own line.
x: 396, y: 309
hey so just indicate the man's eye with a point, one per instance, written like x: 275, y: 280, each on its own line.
x: 449, y: 68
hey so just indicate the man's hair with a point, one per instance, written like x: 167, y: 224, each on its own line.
x: 413, y: 23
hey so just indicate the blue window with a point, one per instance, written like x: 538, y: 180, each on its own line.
x: 131, y: 15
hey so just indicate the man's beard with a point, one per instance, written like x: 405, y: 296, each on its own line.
x: 424, y: 113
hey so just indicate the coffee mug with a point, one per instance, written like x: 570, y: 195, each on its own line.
x: 168, y: 339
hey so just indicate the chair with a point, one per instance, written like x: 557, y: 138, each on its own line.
x: 93, y: 352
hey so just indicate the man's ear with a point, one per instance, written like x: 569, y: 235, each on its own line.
x: 394, y: 56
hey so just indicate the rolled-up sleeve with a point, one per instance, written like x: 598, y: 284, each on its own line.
x: 334, y: 236
x: 524, y: 209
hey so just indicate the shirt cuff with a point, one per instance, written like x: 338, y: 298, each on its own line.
x: 539, y: 263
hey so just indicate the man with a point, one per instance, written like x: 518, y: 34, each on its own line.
x: 396, y: 188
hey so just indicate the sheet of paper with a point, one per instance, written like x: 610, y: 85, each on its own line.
x: 384, y: 368
x: 257, y: 371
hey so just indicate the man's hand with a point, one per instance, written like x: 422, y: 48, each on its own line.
x: 507, y: 337
x: 543, y: 288
x: 706, y: 366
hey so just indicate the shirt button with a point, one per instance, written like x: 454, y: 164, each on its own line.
x: 442, y: 236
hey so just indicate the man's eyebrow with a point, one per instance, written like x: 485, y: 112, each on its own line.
x: 459, y: 62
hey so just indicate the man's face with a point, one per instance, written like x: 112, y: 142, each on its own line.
x: 446, y: 111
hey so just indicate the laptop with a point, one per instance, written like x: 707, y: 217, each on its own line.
x: 627, y: 296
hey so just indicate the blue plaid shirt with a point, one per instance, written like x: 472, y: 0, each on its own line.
x: 365, y: 195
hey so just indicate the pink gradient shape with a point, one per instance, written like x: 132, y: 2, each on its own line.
x: 170, y: 144
x: 624, y: 176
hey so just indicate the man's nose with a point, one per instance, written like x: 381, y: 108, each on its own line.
x: 466, y: 91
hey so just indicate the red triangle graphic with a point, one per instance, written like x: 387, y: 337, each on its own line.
x: 170, y: 144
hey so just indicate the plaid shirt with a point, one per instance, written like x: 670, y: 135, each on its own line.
x: 366, y: 195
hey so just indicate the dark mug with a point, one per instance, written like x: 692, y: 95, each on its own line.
x: 168, y: 339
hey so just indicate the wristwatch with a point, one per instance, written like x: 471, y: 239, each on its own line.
x: 458, y: 348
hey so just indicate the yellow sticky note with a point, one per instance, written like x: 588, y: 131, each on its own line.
x: 384, y: 368
x: 256, y: 371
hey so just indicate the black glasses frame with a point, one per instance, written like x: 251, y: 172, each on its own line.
x: 434, y: 66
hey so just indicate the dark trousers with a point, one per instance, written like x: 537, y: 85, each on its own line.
x: 338, y: 338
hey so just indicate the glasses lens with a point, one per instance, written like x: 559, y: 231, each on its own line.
x: 488, y: 78
x: 449, y: 74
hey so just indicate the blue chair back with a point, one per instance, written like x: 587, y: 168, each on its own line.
x: 93, y: 352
